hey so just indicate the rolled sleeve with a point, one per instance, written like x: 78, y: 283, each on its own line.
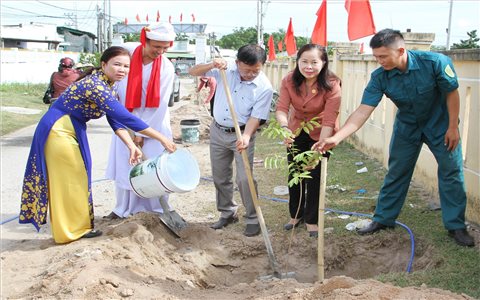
x: 445, y: 74
x: 372, y: 95
x: 261, y: 108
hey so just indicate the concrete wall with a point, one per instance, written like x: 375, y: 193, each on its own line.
x: 373, y: 138
x: 30, y: 66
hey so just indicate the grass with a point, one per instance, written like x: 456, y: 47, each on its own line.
x: 24, y: 96
x: 451, y: 267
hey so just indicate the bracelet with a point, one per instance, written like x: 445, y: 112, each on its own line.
x: 284, y: 126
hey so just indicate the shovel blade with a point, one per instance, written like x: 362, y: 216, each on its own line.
x: 171, y: 219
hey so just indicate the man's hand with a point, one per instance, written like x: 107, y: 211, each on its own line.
x: 243, y: 143
x: 452, y: 138
x: 324, y: 145
x: 219, y: 63
x: 138, y: 141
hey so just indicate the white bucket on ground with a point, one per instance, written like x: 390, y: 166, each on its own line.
x: 176, y: 172
x: 190, y: 130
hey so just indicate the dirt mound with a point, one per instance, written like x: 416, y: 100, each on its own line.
x: 139, y: 258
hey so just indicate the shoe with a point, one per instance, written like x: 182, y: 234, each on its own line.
x: 222, y: 222
x: 462, y: 237
x: 313, y: 234
x: 91, y: 234
x: 373, y: 227
x: 252, y: 230
x: 290, y: 226
x: 111, y: 216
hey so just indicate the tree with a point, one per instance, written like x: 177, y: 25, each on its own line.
x: 437, y: 48
x: 238, y: 38
x: 131, y: 37
x: 470, y: 43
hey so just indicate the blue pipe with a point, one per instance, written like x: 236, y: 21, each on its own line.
x: 8, y: 220
x: 412, y: 238
x: 16, y: 217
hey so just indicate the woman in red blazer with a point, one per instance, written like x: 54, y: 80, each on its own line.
x: 311, y: 90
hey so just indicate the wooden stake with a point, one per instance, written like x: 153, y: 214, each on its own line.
x: 321, y: 218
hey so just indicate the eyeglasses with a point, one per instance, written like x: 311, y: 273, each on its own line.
x: 248, y: 70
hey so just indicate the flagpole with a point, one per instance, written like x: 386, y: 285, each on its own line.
x: 449, y: 25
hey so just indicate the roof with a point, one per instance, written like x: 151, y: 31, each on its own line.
x: 33, y: 32
x: 62, y: 29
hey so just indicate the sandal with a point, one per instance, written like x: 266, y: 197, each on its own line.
x: 111, y: 216
x: 91, y: 234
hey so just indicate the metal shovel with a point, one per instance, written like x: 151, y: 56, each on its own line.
x: 273, y: 262
x: 170, y: 218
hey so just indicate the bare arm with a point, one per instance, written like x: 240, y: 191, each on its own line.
x: 135, y: 152
x: 452, y: 136
x: 282, y: 119
x: 250, y: 129
x: 201, y: 69
x: 353, y: 123
x: 152, y: 133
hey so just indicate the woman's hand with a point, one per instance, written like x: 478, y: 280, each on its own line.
x: 288, y: 141
x: 168, y: 145
x: 135, y: 155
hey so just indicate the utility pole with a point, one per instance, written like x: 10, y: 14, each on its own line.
x: 100, y: 17
x: 449, y: 29
x: 72, y: 17
x: 110, y: 28
x: 105, y: 27
x: 260, y: 15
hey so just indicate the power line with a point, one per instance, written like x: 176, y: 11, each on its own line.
x: 62, y: 8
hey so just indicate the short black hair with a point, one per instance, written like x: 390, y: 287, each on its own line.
x: 252, y: 54
x: 386, y: 38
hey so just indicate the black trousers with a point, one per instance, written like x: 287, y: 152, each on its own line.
x: 305, y: 194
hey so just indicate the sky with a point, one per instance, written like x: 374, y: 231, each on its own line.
x: 223, y: 16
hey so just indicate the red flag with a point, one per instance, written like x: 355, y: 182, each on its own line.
x: 138, y: 18
x: 319, y: 34
x: 360, y: 19
x: 181, y: 17
x: 271, y: 49
x: 126, y: 21
x: 290, y: 43
x: 158, y: 16
x: 146, y: 18
x: 280, y: 46
x: 193, y: 18
x: 170, y: 19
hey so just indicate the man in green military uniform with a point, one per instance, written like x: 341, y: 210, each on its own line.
x: 423, y: 86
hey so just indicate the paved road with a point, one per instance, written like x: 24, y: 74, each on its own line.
x: 14, y: 149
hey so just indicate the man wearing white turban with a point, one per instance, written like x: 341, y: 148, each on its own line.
x: 145, y: 92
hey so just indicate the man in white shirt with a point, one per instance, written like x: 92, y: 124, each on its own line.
x: 252, y: 93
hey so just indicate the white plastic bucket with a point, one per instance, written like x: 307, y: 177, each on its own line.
x: 190, y: 130
x: 176, y: 172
